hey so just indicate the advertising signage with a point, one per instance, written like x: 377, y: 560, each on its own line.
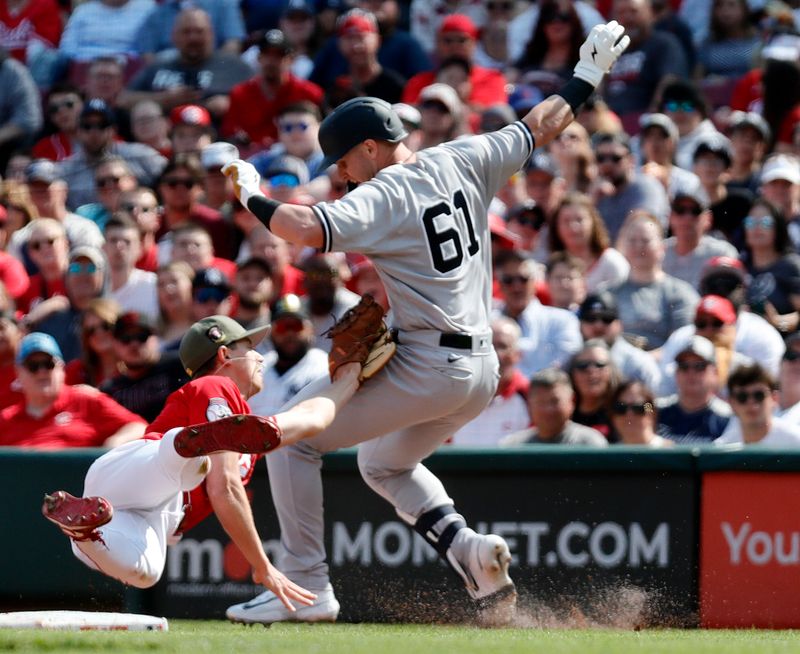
x: 750, y: 550
x: 583, y: 543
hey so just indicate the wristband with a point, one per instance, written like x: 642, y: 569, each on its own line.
x: 575, y: 92
x: 263, y: 208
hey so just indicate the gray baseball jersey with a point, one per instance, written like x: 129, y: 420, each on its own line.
x: 425, y: 226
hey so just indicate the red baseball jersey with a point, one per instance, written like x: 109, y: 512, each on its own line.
x: 80, y: 417
x: 203, y: 400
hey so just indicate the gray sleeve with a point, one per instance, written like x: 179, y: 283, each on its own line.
x: 20, y: 102
x: 496, y: 156
x: 682, y: 300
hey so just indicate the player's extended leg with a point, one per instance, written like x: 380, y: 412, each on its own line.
x: 398, y: 397
x: 142, y: 484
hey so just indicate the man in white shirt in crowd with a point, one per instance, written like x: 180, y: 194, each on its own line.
x: 133, y: 289
x: 508, y: 411
x: 550, y: 336
x: 293, y: 362
x: 754, y: 398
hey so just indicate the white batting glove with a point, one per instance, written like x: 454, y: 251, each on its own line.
x: 245, y: 178
x: 599, y: 51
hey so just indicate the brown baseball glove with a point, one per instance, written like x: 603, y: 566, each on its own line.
x: 361, y: 336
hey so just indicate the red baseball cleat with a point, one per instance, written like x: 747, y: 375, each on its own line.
x: 247, y: 434
x: 77, y: 517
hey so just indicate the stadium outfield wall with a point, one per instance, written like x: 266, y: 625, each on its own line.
x: 687, y: 536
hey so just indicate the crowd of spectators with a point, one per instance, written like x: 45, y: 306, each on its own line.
x: 646, y: 267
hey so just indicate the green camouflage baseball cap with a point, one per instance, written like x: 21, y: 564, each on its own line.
x: 200, y: 344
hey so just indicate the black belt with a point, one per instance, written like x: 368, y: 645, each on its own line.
x: 458, y: 341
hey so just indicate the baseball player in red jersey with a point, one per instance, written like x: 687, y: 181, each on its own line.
x: 421, y: 217
x: 139, y: 496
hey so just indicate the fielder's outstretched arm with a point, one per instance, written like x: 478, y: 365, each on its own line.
x: 598, y: 53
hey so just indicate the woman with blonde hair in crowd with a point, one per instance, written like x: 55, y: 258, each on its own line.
x: 97, y: 362
x: 634, y: 417
x: 174, y: 286
x: 579, y: 230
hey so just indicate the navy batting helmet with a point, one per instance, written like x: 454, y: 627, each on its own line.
x: 355, y: 121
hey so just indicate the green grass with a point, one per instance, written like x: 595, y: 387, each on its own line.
x: 196, y: 637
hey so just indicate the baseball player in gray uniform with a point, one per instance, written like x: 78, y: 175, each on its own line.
x: 422, y: 218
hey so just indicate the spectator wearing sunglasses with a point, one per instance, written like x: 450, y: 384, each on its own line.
x: 62, y: 110
x: 112, y: 178
x: 86, y: 279
x: 599, y: 318
x: 549, y: 335
x: 689, y: 248
x: 594, y: 378
x: 294, y: 362
x: 53, y: 415
x: 619, y: 189
x: 695, y: 414
x: 180, y: 190
x: 48, y: 249
x: 97, y: 138
x: 551, y: 402
x: 211, y: 294
x: 257, y: 103
x: 528, y: 221
x: 146, y: 374
x: 298, y: 127
x: 98, y: 361
x: 634, y: 417
x: 774, y: 290
x: 754, y: 399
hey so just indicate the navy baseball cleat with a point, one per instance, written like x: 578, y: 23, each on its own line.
x: 266, y: 608
x: 78, y: 517
x: 248, y: 434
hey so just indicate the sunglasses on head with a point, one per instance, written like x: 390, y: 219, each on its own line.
x: 299, y: 126
x: 674, y: 105
x: 36, y: 366
x: 507, y: 280
x: 210, y: 294
x: 55, y: 107
x: 613, y: 158
x: 91, y: 330
x: 175, y: 182
x: 697, y: 366
x: 598, y: 317
x: 742, y: 397
x: 99, y: 127
x: 716, y: 323
x: 76, y: 268
x: 791, y: 355
x: 686, y: 210
x: 621, y: 408
x: 765, y: 222
x: 585, y: 365
x: 136, y: 337
x: 286, y: 325
x: 38, y: 245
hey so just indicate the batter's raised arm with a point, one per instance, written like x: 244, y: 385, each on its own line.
x: 598, y: 53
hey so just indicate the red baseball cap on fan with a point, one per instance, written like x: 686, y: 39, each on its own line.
x: 459, y: 23
x: 356, y: 22
x: 717, y: 307
x: 190, y: 114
